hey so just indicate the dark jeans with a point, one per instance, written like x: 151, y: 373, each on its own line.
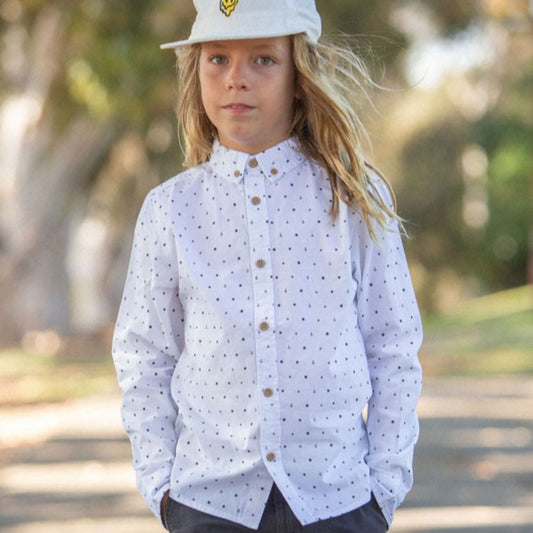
x: 277, y: 518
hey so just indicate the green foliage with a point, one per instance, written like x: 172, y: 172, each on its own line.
x: 453, y: 15
x: 431, y: 195
x: 510, y: 171
x: 369, y: 27
x: 114, y: 63
x: 507, y: 136
x: 494, y: 253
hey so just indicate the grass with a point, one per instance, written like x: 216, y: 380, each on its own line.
x: 492, y: 335
x: 28, y: 377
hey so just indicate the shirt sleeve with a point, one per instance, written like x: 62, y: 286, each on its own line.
x: 146, y: 345
x: 390, y: 323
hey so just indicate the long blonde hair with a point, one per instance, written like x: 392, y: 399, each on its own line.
x: 330, y: 82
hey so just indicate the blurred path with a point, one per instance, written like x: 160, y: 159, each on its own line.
x: 67, y: 468
x: 474, y: 461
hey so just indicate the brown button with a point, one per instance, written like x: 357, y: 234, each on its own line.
x: 260, y: 263
x: 237, y: 173
x: 264, y: 326
x: 274, y: 171
x: 271, y: 457
x: 268, y: 393
x: 253, y: 163
x: 256, y: 200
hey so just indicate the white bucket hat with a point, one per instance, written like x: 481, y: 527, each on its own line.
x: 220, y: 20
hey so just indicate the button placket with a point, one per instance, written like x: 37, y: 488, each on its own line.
x: 255, y: 185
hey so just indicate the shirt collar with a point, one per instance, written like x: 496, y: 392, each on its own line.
x: 274, y: 162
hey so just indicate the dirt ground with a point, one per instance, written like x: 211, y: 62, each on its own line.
x: 66, y: 468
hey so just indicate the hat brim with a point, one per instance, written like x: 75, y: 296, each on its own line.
x: 178, y: 44
x: 222, y: 37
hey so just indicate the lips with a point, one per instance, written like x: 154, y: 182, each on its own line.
x: 238, y: 107
x: 238, y: 104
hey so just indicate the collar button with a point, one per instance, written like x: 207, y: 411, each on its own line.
x: 253, y: 163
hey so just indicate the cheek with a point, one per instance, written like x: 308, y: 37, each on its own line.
x: 290, y: 87
x: 289, y: 95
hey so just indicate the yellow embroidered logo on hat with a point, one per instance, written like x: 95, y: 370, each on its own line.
x: 254, y: 19
x: 228, y: 6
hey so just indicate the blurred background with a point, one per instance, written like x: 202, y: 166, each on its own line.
x: 87, y: 128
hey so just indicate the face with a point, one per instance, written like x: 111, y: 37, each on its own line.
x: 248, y: 90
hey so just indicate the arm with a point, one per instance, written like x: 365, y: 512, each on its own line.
x: 146, y: 345
x: 390, y: 323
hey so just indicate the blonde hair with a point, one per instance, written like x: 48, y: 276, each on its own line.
x: 330, y: 81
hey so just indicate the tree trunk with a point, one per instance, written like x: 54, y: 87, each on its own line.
x: 41, y: 178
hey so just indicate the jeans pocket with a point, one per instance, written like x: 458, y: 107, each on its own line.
x: 166, y: 518
x: 375, y: 506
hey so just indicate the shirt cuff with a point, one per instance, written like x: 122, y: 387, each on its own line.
x: 386, y: 501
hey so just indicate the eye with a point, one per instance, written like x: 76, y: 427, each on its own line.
x: 218, y: 60
x: 265, y: 61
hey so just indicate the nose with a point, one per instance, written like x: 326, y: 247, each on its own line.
x: 237, y: 76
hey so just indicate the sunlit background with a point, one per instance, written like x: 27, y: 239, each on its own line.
x: 87, y: 128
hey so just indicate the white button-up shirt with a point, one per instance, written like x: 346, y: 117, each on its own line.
x: 252, y: 334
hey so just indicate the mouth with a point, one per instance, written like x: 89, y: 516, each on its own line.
x: 237, y: 107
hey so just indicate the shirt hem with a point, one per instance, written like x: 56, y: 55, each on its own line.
x: 219, y: 514
x: 340, y: 511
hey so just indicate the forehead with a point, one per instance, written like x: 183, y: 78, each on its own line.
x: 271, y: 44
